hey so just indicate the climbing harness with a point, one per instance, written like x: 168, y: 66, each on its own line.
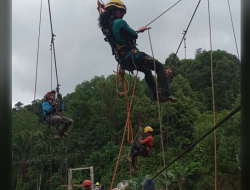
x: 120, y: 49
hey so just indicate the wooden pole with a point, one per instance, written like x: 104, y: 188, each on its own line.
x: 92, y: 176
x: 70, y: 184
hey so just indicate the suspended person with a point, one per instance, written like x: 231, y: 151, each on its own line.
x: 87, y: 185
x: 122, y: 39
x: 52, y: 111
x: 142, y: 150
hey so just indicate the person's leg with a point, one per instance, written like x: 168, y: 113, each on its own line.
x: 56, y: 121
x: 135, y: 151
x: 149, y: 78
x: 67, y: 123
x: 161, y: 75
x: 163, y: 88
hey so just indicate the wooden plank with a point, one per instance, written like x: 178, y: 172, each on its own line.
x: 74, y: 169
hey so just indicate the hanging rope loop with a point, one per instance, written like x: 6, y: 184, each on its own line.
x: 128, y: 122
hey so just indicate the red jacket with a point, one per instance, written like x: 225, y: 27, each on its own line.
x: 149, y: 142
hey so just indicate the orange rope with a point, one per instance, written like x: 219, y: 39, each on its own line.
x: 129, y: 123
x: 128, y: 120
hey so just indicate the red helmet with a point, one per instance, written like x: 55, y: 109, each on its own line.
x: 47, y: 95
x: 86, y: 183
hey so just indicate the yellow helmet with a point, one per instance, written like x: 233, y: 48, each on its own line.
x: 116, y: 3
x: 97, y: 183
x: 147, y: 129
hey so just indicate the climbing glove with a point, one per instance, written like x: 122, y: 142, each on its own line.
x: 148, y: 185
x: 142, y: 29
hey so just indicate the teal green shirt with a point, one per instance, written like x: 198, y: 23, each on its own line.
x: 121, y: 26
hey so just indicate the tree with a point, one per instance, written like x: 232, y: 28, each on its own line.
x: 21, y: 154
x: 18, y: 106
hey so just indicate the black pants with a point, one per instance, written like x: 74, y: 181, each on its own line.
x: 145, y: 64
x: 135, y: 151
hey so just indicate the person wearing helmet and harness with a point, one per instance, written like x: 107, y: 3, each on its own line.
x: 87, y: 185
x: 142, y: 150
x: 122, y: 40
x: 97, y: 186
x: 52, y: 110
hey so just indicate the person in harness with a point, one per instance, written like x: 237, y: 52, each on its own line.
x: 142, y: 150
x: 122, y: 40
x: 87, y: 185
x: 98, y: 186
x: 52, y: 110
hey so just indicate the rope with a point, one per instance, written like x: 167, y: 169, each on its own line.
x: 121, y: 77
x: 52, y: 41
x: 51, y: 64
x: 160, y: 118
x: 38, y: 44
x: 124, y: 132
x: 185, y: 31
x: 212, y: 77
x: 129, y: 123
x: 199, y: 140
x: 233, y: 29
x: 162, y: 13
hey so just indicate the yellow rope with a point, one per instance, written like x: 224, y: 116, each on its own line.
x: 212, y: 77
x: 160, y: 118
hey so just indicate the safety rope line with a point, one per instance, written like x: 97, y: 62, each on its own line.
x: 199, y: 140
x: 160, y: 117
x: 185, y: 31
x: 52, y: 41
x: 212, y: 78
x: 163, y: 13
x: 38, y: 45
x: 124, y: 132
x: 233, y: 29
x: 51, y: 65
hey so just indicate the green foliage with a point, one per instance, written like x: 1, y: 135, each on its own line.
x: 99, y: 116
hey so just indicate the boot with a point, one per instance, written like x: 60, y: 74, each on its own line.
x: 164, y: 98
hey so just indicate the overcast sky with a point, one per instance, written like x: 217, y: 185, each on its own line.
x: 81, y: 52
